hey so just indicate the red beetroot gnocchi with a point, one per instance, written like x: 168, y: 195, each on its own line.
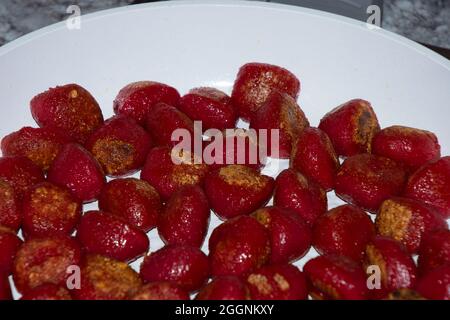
x: 344, y: 231
x: 76, y: 169
x: 367, y: 180
x: 103, y: 278
x: 351, y: 127
x: 166, y: 176
x: 45, y: 260
x: 435, y: 284
x: 224, y: 288
x: 238, y: 246
x: 280, y: 112
x: 70, y: 109
x: 236, y: 190
x: 47, y: 292
x: 396, y: 172
x: 211, y: 106
x: 49, y: 209
x: 163, y: 120
x: 430, y: 184
x: 185, y: 218
x: 5, y: 289
x: 120, y: 146
x: 293, y: 191
x: 133, y: 199
x: 9, y: 244
x: 313, y: 155
x: 20, y: 173
x: 185, y: 266
x: 278, y: 282
x: 255, y: 82
x: 40, y: 145
x: 434, y: 251
x: 10, y: 207
x: 109, y: 235
x: 163, y: 290
x: 407, y: 221
x: 334, y: 277
x: 136, y: 99
x: 409, y: 146
x: 290, y: 236
x: 398, y: 270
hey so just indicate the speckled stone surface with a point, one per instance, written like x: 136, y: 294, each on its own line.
x: 18, y: 17
x: 426, y: 21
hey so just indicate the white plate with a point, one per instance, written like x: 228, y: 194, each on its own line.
x: 189, y: 44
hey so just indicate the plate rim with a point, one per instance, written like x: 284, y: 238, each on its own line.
x: 417, y: 47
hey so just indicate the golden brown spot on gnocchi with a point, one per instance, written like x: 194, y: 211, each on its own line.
x: 393, y: 220
x: 111, y: 277
x: 115, y: 156
x: 261, y: 283
x: 242, y: 176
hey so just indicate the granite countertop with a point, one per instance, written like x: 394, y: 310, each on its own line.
x: 426, y: 21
